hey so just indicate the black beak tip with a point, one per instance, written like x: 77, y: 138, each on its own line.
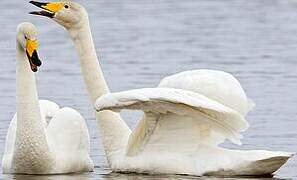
x: 34, y: 13
x: 37, y: 3
x: 35, y: 59
x: 43, y: 13
x: 34, y: 3
x: 37, y: 62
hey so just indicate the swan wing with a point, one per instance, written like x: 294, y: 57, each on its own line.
x: 180, y: 110
x: 68, y: 132
x: 220, y: 86
x: 68, y: 137
x: 47, y: 109
x: 9, y: 145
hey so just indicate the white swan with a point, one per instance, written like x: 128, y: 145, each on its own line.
x: 185, y: 119
x: 42, y: 138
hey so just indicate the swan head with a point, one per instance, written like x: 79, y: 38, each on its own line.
x: 27, y: 40
x: 67, y: 13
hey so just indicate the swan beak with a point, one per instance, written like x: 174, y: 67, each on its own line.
x: 50, y: 8
x: 31, y: 51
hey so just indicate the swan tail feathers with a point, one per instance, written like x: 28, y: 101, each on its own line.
x: 271, y: 164
x: 254, y: 163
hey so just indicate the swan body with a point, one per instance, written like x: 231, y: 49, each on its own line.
x: 181, y: 130
x: 42, y: 137
x: 185, y: 118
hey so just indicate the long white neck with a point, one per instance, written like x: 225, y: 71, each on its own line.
x: 31, y: 148
x: 114, y: 131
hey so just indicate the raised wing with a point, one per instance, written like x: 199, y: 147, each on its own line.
x: 161, y: 104
x: 217, y: 85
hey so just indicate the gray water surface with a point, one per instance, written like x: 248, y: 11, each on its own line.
x: 141, y: 41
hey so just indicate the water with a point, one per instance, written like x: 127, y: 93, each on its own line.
x: 140, y: 42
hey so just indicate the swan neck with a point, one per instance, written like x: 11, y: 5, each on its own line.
x: 30, y: 132
x: 114, y: 131
x: 90, y: 67
x: 28, y: 111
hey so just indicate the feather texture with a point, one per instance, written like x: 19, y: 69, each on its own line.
x: 155, y: 101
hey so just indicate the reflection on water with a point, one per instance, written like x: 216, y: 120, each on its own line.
x: 118, y: 176
x: 140, y: 42
x: 52, y: 177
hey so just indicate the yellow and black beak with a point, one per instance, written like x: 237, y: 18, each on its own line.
x: 50, y: 8
x: 31, y: 51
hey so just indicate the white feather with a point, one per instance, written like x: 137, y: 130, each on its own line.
x: 184, y: 121
x: 222, y: 119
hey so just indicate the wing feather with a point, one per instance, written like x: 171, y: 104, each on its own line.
x: 155, y: 101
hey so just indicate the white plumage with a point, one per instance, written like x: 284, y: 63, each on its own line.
x: 217, y: 85
x: 156, y: 101
x: 185, y: 119
x: 42, y: 137
x: 67, y: 136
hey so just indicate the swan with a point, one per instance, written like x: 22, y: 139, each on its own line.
x: 185, y: 118
x: 42, y: 137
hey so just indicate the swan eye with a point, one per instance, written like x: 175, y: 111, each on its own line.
x: 66, y: 6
